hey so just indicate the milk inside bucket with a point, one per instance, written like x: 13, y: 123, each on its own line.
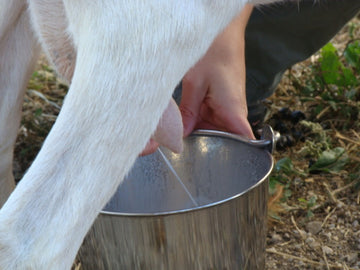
x: 152, y: 222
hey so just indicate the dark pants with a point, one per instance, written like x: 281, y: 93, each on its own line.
x: 282, y: 34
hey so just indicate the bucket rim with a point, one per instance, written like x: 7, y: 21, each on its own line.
x: 209, y: 133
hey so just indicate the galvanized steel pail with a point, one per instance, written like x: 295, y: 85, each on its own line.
x: 151, y: 223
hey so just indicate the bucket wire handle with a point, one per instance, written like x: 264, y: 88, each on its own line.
x: 267, y: 141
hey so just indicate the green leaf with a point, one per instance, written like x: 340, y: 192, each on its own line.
x: 284, y: 165
x: 352, y: 54
x: 332, y: 160
x: 312, y: 201
x: 348, y: 78
x: 38, y: 112
x: 302, y: 200
x: 351, y: 94
x: 330, y: 64
x: 333, y: 105
x: 287, y: 193
x: 309, y: 214
x: 273, y: 182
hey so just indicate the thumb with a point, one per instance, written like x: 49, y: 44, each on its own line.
x: 234, y: 119
x: 189, y: 118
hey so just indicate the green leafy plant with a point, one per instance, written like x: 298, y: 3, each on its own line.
x: 308, y: 205
x: 333, y: 160
x: 352, y: 55
x: 333, y: 71
x: 284, y: 172
x: 335, y: 84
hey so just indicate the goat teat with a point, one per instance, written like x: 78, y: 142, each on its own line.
x: 169, y: 131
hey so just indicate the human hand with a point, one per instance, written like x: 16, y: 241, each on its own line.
x: 213, y: 95
x: 213, y: 91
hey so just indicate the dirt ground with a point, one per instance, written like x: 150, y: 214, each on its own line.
x: 318, y: 225
x: 314, y: 217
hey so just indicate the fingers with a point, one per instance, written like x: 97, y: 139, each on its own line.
x: 240, y: 126
x: 229, y: 119
x: 215, y: 103
x: 192, y: 97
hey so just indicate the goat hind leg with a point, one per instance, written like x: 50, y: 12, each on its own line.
x: 18, y: 51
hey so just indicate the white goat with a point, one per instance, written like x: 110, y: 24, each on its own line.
x: 129, y: 55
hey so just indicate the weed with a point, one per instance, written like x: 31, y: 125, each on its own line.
x: 335, y: 83
x: 283, y: 174
x: 308, y: 205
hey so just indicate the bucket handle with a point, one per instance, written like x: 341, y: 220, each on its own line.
x: 267, y: 140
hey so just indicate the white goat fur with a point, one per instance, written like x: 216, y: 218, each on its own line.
x: 129, y: 56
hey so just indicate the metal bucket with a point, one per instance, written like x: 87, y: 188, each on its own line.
x: 151, y: 223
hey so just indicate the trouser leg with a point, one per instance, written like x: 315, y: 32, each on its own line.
x: 280, y: 35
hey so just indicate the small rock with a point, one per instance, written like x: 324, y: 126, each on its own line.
x: 352, y: 257
x: 336, y: 238
x: 300, y: 233
x: 309, y: 240
x: 276, y: 238
x: 312, y: 242
x: 314, y: 227
x: 301, y: 263
x: 340, y: 205
x: 355, y: 224
x: 327, y: 250
x: 338, y: 264
x: 328, y: 235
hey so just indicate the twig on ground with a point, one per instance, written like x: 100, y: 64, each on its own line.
x: 272, y: 202
x: 355, y: 134
x: 42, y: 96
x: 355, y: 158
x: 322, y: 112
x: 76, y: 266
x: 340, y: 136
x: 302, y: 235
x: 326, y: 261
x: 285, y: 255
x: 332, y: 196
x: 327, y: 217
x: 336, y: 191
